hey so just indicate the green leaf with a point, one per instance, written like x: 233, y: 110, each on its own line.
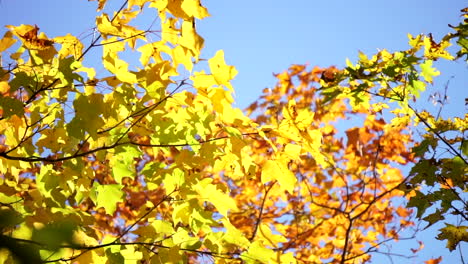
x: 422, y: 148
x: 55, y: 235
x: 87, y: 113
x: 420, y: 202
x: 11, y: 106
x: 114, y: 256
x: 464, y: 148
x: 66, y: 73
x: 453, y: 234
x: 9, y: 218
x: 424, y: 171
x: 416, y: 86
x: 123, y: 163
x: 107, y: 196
x: 434, y: 218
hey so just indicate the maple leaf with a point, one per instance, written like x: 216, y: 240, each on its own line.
x: 123, y: 139
x: 221, y: 72
x: 434, y: 261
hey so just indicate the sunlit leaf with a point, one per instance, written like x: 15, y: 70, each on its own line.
x: 278, y: 170
x: 108, y: 196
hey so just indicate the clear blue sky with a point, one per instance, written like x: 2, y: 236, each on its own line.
x: 261, y: 37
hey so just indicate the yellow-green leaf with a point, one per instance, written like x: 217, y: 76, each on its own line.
x: 108, y: 196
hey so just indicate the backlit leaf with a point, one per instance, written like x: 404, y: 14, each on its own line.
x: 108, y: 196
x: 222, y: 72
x: 278, y: 170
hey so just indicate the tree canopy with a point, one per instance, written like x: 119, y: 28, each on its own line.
x: 148, y: 161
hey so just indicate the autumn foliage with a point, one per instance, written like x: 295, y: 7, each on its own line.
x: 151, y: 163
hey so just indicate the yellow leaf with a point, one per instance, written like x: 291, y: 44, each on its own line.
x: 89, y: 71
x: 234, y: 235
x: 7, y: 41
x: 101, y: 4
x: 4, y: 255
x: 106, y: 27
x: 278, y: 170
x: 415, y: 42
x: 190, y: 39
x: 130, y: 255
x: 220, y: 71
x: 70, y: 46
x: 219, y: 199
x: 202, y: 81
x: 174, y: 7
x: 259, y: 252
x: 160, y: 4
x: 181, y: 55
x: 433, y: 50
x: 193, y: 8
x: 264, y: 232
x: 90, y: 256
x: 4, y: 87
x: 153, y: 50
x: 293, y: 151
x: 118, y: 67
x: 82, y: 239
x: 139, y: 3
x: 182, y: 213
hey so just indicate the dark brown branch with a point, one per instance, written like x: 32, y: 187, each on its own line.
x: 373, y: 249
x: 345, y: 247
x: 126, y: 230
x: 259, y: 219
x: 93, y: 44
x: 38, y: 91
x: 123, y: 39
x: 142, y: 112
x: 44, y: 159
x: 457, y: 153
x: 351, y: 219
x: 149, y: 110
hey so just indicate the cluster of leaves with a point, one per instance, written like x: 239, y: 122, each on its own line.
x: 439, y: 178
x: 149, y: 166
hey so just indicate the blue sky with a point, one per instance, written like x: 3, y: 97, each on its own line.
x: 264, y: 37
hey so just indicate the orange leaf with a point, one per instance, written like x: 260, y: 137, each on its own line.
x: 434, y: 261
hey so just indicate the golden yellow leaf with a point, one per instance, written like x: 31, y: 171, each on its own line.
x: 71, y: 45
x: 222, y: 201
x: 278, y: 170
x: 221, y: 72
x: 194, y: 8
x: 293, y: 151
x: 202, y: 81
x: 169, y: 31
x: 6, y: 41
x: 234, y: 235
x: 268, y: 237
x: 159, y: 4
x: 181, y: 55
x: 4, y: 87
x: 106, y: 27
x: 190, y: 39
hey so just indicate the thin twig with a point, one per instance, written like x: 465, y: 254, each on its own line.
x: 260, y: 214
